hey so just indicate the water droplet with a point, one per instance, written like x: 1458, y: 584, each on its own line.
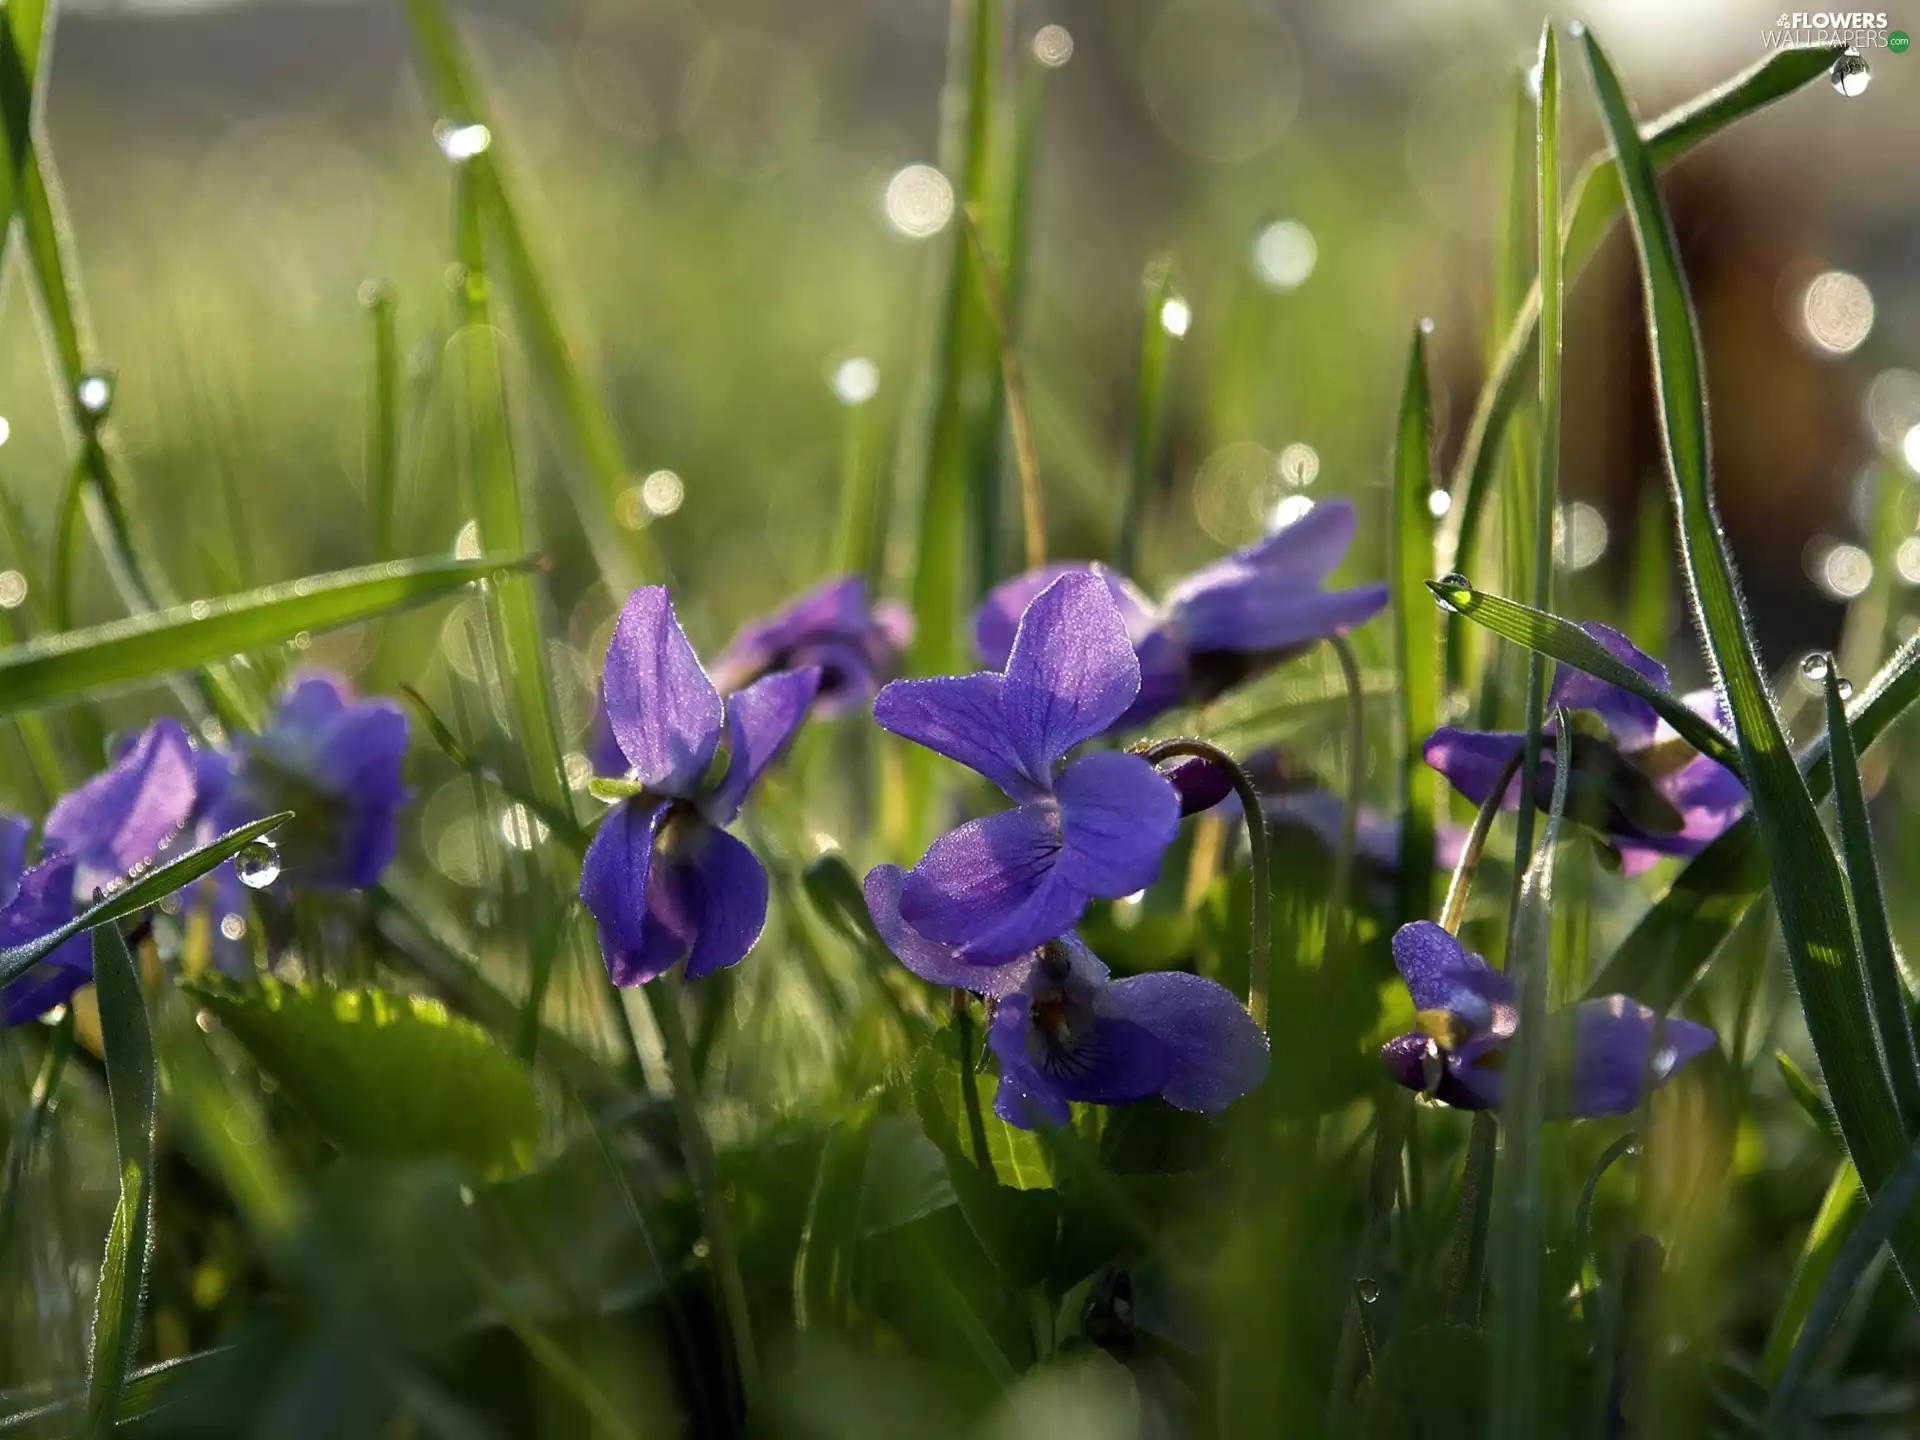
x: 1369, y: 1289
x: 1176, y: 316
x: 1053, y: 46
x: 1816, y: 665
x: 13, y: 589
x: 1426, y: 325
x: 855, y: 380
x: 258, y: 864
x: 94, y: 393
x: 1439, y: 501
x: 1845, y: 687
x: 1850, y: 75
x: 375, y: 293
x: 701, y: 1248
x: 460, y: 143
x: 1451, y: 581
x: 233, y: 926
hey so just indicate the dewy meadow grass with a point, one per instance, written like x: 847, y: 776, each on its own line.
x: 769, y: 1074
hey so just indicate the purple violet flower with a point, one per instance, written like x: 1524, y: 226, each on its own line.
x: 1605, y: 1059
x: 1648, y: 791
x: 1063, y: 1030
x: 332, y: 760
x: 856, y: 645
x: 1224, y: 623
x: 997, y: 888
x: 94, y: 836
x: 662, y: 877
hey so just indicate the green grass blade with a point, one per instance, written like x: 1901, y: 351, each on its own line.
x: 624, y: 558
x: 160, y: 642
x: 1547, y: 461
x: 1679, y: 934
x: 1865, y: 630
x: 1809, y: 893
x: 1596, y: 202
x: 1831, y: 1225
x: 1884, y: 983
x: 1149, y: 414
x: 556, y: 1359
x: 383, y: 416
x: 860, y: 540
x: 132, y: 1088
x: 154, y: 885
x: 1650, y: 597
x: 1886, y: 1216
x: 1416, y: 633
x: 1562, y: 640
x: 1516, y: 1214
x: 23, y: 1144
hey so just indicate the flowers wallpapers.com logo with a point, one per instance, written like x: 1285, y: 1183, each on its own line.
x: 1856, y: 28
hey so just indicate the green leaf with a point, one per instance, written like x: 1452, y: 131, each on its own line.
x: 161, y: 642
x: 127, y: 1046
x: 1831, y: 1225
x: 823, y: 1266
x: 1809, y: 893
x: 1885, y: 985
x: 1019, y: 1159
x: 1806, y: 1094
x: 1595, y: 202
x: 1416, y: 632
x: 1562, y: 640
x: 387, y: 1074
x: 152, y: 886
x: 1888, y: 1211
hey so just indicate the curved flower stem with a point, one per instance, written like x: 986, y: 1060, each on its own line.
x: 1340, y: 898
x: 1455, y: 907
x: 701, y: 1169
x: 1259, y: 957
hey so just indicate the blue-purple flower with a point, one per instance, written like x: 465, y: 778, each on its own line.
x: 857, y: 645
x: 1648, y: 791
x: 1222, y: 624
x: 1604, y: 1054
x: 998, y: 887
x: 336, y: 762
x: 662, y: 878
x: 1063, y: 1030
x: 93, y: 837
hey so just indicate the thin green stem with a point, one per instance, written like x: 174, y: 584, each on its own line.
x: 1340, y: 899
x: 1260, y: 956
x: 1455, y: 908
x: 970, y: 1092
x: 704, y: 1172
x: 1149, y: 413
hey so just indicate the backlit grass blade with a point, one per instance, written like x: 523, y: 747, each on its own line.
x: 1516, y: 1214
x: 493, y: 487
x: 1149, y: 413
x: 1865, y: 630
x: 1831, y: 1226
x: 147, y: 889
x: 1884, y: 983
x: 132, y: 1089
x: 1595, y: 202
x: 23, y: 1144
x: 1809, y: 893
x: 160, y: 642
x: 383, y: 416
x: 1888, y: 1213
x: 552, y: 350
x: 1546, y: 467
x: 1416, y: 633
x: 1562, y: 640
x: 1675, y: 939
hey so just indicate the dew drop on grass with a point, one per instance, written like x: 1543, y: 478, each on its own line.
x: 1850, y: 75
x: 258, y: 864
x: 1845, y: 687
x: 1369, y: 1289
x: 460, y: 143
x: 94, y: 393
x: 1816, y: 665
x: 1452, y: 580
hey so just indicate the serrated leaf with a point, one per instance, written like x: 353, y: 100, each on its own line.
x: 161, y: 642
x: 386, y: 1074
